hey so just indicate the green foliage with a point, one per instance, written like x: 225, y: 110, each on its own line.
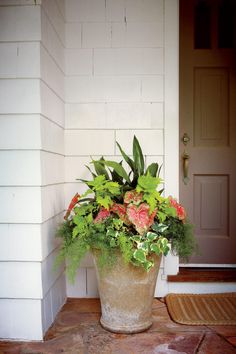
x: 100, y: 221
x: 152, y: 169
x: 138, y: 157
x: 100, y: 169
x: 150, y: 243
x: 73, y: 250
x: 148, y: 186
x: 181, y: 237
x: 104, y: 190
x: 118, y: 174
x: 126, y: 247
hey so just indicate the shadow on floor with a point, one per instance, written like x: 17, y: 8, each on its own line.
x: 77, y: 330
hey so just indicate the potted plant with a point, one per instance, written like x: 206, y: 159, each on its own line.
x: 128, y: 225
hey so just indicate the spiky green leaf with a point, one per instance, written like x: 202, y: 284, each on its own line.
x: 129, y: 161
x: 92, y: 173
x: 152, y: 169
x: 100, y: 169
x: 138, y: 156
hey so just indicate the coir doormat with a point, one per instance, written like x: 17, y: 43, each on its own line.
x: 202, y: 309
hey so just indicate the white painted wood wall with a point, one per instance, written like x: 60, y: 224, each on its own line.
x: 32, y: 165
x: 120, y: 78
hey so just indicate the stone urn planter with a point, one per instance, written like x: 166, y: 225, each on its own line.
x: 126, y: 295
x: 123, y: 215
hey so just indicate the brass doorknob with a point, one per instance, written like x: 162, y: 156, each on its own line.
x: 186, y: 158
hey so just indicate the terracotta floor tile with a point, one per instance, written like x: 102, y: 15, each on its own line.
x: 149, y: 343
x: 77, y: 330
x: 163, y: 323
x: 214, y: 344
x: 224, y: 330
x: 83, y: 305
x: 232, y: 340
x: 158, y: 303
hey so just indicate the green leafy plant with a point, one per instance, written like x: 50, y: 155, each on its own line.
x: 123, y: 211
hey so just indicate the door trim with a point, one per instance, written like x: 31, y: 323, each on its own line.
x: 171, y: 97
x: 206, y: 265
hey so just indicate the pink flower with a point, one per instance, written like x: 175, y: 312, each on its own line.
x: 120, y: 210
x: 179, y: 209
x: 133, y: 197
x: 102, y: 214
x: 140, y: 217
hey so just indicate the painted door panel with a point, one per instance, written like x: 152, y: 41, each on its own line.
x: 208, y: 116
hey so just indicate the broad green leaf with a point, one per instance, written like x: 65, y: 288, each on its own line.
x: 171, y: 211
x: 112, y: 187
x: 140, y: 255
x: 138, y: 156
x: 151, y: 200
x: 118, y: 168
x: 148, y: 183
x: 129, y: 161
x: 104, y: 201
x: 161, y: 216
x: 97, y: 182
x: 152, y: 169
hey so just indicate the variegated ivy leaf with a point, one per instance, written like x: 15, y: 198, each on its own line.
x: 144, y: 246
x: 148, y: 265
x: 159, y: 228
x: 151, y: 236
x: 140, y: 255
x: 155, y: 248
x: 137, y: 238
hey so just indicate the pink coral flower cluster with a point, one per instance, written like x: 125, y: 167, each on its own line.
x: 102, y: 215
x: 140, y: 217
x: 133, y: 197
x: 121, y: 211
x: 179, y: 209
x: 132, y: 212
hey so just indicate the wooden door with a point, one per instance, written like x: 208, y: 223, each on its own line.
x: 208, y: 117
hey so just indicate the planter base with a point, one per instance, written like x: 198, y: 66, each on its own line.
x: 126, y: 295
x: 126, y: 329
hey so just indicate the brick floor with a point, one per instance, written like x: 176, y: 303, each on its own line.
x: 76, y: 330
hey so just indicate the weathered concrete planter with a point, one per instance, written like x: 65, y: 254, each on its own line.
x: 126, y: 295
